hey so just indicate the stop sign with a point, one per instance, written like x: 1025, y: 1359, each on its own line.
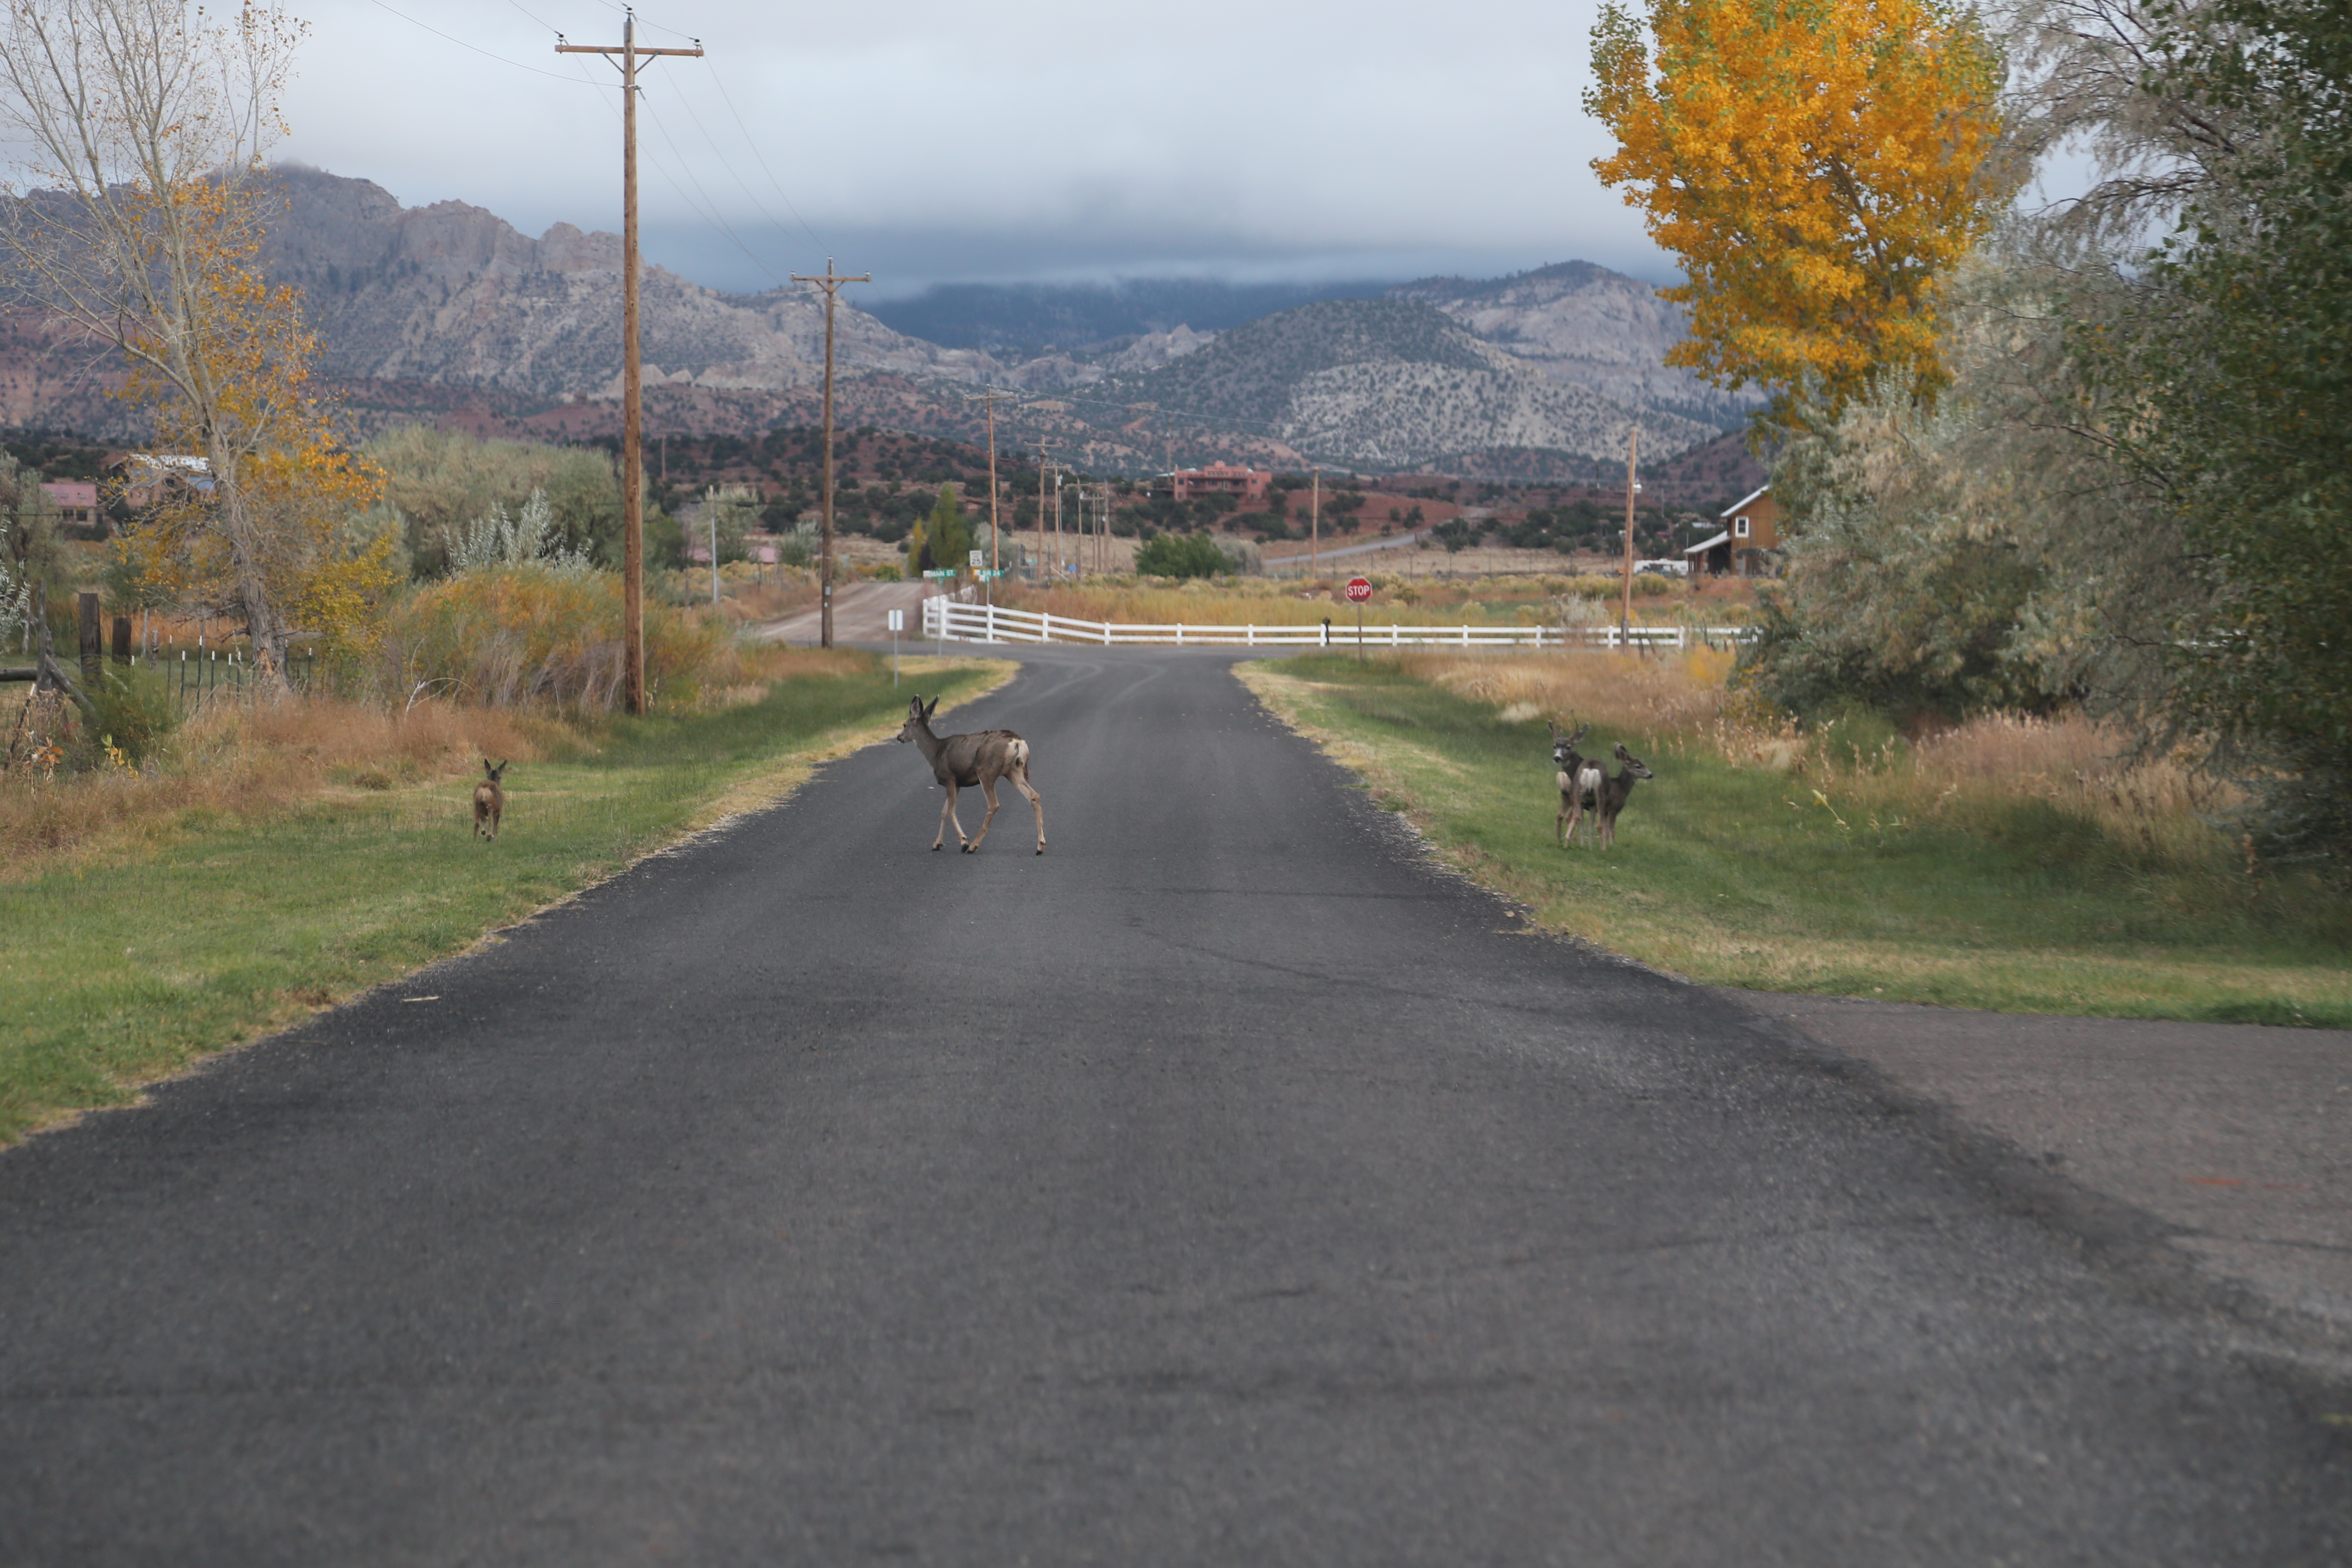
x: 1358, y: 590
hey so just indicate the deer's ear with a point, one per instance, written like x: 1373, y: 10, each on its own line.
x: 932, y: 707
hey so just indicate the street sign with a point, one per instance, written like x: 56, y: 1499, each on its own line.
x: 898, y: 620
x: 977, y: 557
x: 942, y: 574
x: 989, y: 576
x: 1358, y: 590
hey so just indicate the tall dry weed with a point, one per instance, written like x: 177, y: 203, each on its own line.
x: 518, y: 635
x: 2159, y: 807
x: 245, y: 762
x: 1666, y: 695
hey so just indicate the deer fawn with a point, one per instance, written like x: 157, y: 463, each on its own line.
x: 981, y: 759
x: 490, y: 800
x: 1579, y: 782
x: 1616, y: 792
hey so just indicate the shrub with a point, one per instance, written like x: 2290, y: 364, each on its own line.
x: 1182, y: 556
x: 517, y: 634
x: 135, y: 708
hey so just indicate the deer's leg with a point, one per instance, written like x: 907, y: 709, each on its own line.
x: 947, y: 815
x: 1020, y: 782
x: 988, y: 792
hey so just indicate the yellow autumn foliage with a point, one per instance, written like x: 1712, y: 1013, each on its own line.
x: 1817, y: 165
x: 267, y: 535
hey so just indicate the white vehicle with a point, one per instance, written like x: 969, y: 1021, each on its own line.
x: 1662, y: 568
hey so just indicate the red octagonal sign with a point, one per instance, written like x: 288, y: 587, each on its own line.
x: 1358, y: 590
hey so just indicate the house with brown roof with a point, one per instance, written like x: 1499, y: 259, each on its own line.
x: 1749, y: 543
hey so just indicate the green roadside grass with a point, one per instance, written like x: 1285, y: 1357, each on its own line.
x: 127, y: 970
x: 1737, y: 876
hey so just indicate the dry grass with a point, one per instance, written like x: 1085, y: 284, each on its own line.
x: 1674, y: 694
x: 1679, y: 703
x: 751, y: 594
x: 1512, y: 601
x: 2021, y: 864
x: 248, y: 763
x: 527, y: 634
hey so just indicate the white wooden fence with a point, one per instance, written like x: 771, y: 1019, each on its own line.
x: 947, y: 619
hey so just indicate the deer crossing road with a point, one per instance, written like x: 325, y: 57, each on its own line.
x: 1229, y: 1185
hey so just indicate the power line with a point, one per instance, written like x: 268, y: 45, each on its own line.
x: 688, y: 105
x: 485, y: 54
x: 749, y: 141
x: 713, y: 216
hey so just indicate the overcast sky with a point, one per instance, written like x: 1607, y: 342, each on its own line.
x: 1039, y: 139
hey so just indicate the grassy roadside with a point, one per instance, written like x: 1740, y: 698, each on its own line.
x: 127, y: 966
x: 1740, y: 877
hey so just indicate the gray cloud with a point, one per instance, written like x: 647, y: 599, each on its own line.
x: 931, y: 141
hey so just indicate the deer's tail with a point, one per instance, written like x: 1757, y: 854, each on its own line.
x: 1017, y: 751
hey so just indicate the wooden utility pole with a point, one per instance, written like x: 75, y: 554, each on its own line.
x: 633, y: 478
x: 994, y: 533
x: 1045, y: 470
x: 831, y: 283
x: 1315, y: 524
x: 1625, y: 620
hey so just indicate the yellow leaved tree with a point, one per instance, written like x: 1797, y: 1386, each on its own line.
x: 1817, y: 165
x: 143, y: 124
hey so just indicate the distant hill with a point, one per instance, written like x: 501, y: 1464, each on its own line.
x: 1584, y: 325
x: 1384, y: 384
x: 1014, y: 322
x: 453, y: 294
x: 447, y: 314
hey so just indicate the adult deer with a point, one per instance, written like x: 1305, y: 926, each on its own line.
x: 490, y: 800
x: 981, y: 759
x: 1617, y: 791
x: 1580, y: 780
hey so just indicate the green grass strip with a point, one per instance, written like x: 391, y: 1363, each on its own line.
x: 1738, y: 877
x: 121, y: 973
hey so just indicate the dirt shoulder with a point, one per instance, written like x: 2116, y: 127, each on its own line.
x: 2230, y: 1135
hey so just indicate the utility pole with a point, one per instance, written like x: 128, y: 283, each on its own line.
x: 1315, y: 524
x: 831, y: 283
x: 1045, y: 470
x: 995, y: 534
x: 1625, y: 620
x: 632, y: 482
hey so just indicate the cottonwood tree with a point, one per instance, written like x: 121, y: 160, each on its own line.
x: 139, y: 223
x: 2237, y: 343
x: 1817, y: 165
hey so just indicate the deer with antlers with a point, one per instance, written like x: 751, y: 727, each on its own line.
x: 1579, y: 779
x: 980, y: 759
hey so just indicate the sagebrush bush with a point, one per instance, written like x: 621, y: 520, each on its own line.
x: 135, y: 710
x: 511, y: 635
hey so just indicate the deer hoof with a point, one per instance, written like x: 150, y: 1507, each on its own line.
x: 935, y: 848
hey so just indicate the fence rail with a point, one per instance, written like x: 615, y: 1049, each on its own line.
x: 946, y: 619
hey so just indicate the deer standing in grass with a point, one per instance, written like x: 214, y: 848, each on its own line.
x: 490, y: 800
x: 1579, y: 780
x: 1617, y: 791
x: 981, y: 759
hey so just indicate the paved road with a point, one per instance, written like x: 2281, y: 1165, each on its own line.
x: 860, y: 614
x: 1228, y: 1186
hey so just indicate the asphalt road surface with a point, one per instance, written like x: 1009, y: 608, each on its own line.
x: 1227, y: 1186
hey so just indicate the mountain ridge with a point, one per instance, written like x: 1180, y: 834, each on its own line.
x: 446, y: 312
